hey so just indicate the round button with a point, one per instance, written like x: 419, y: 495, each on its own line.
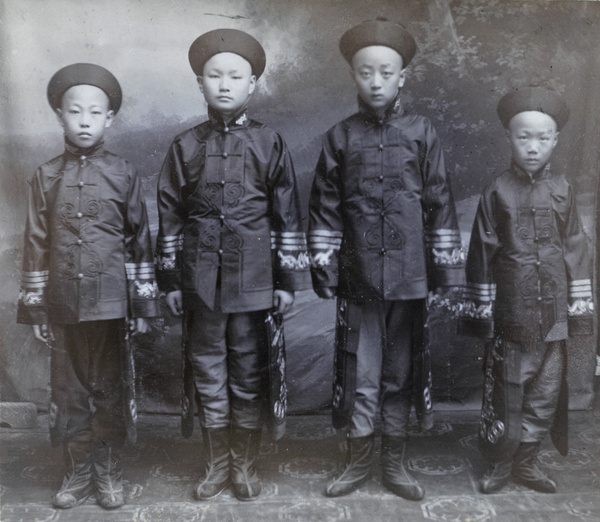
x: 382, y: 213
x: 220, y: 251
x: 222, y: 182
x: 80, y: 276
x: 81, y: 183
x: 224, y: 154
x: 221, y: 217
x: 380, y: 146
x: 382, y: 251
x: 380, y: 178
x: 79, y: 242
x: 538, y: 263
x: 539, y: 298
x: 533, y: 181
x: 533, y: 210
x: 536, y: 239
x: 83, y: 157
x: 226, y: 129
x: 79, y: 215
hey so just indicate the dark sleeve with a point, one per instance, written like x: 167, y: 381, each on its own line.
x: 139, y: 265
x: 171, y: 218
x: 442, y: 235
x: 477, y: 306
x: 325, y: 229
x: 32, y: 305
x: 288, y: 240
x: 578, y: 267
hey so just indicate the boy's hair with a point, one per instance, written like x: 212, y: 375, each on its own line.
x: 227, y: 41
x: 84, y: 74
x: 378, y: 32
x: 533, y: 98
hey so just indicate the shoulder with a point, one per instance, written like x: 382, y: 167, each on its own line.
x: 50, y: 170
x: 118, y: 164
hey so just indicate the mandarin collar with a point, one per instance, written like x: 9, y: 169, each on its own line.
x: 544, y: 172
x: 395, y: 108
x: 239, y: 119
x: 72, y: 151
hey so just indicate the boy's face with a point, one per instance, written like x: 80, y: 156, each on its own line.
x: 227, y: 82
x: 532, y: 136
x: 84, y: 114
x: 378, y: 74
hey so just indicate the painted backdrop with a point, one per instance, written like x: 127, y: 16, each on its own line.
x: 470, y: 52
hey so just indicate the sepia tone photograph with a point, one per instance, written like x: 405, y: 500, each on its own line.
x: 309, y: 260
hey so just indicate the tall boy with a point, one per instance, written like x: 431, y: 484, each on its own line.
x: 230, y: 248
x: 383, y: 231
x: 528, y: 288
x: 87, y: 266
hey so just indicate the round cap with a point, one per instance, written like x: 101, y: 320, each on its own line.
x: 378, y: 32
x: 84, y: 74
x: 227, y: 41
x: 533, y: 98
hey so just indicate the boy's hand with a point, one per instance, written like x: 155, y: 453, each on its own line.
x: 175, y: 302
x: 326, y: 292
x: 42, y: 332
x: 282, y: 300
x: 139, y: 325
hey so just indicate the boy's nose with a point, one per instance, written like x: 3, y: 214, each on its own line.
x: 84, y: 120
x: 224, y: 85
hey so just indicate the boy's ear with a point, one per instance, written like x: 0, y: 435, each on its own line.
x: 252, y: 84
x: 200, y: 83
x: 59, y: 116
x: 109, y: 118
x: 402, y: 78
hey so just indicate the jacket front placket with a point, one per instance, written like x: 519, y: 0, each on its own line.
x: 78, y: 210
x: 537, y: 227
x: 223, y: 189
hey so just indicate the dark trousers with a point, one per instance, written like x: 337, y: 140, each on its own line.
x: 384, y: 368
x: 87, y: 391
x: 541, y: 378
x: 228, y: 354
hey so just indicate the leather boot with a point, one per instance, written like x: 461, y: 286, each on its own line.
x: 77, y: 483
x: 216, y: 469
x: 357, y: 471
x: 245, y: 446
x: 526, y: 472
x: 496, y: 476
x: 395, y: 476
x: 107, y: 476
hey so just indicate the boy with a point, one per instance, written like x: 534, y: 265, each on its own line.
x: 383, y: 230
x: 230, y: 248
x: 87, y: 266
x: 528, y: 288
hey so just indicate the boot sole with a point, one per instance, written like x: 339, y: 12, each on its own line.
x: 198, y: 497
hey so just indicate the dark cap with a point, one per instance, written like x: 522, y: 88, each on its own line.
x: 227, y: 41
x: 84, y: 74
x: 533, y: 98
x: 378, y: 32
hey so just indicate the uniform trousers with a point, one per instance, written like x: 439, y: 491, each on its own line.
x: 87, y: 389
x: 541, y: 377
x: 228, y: 354
x: 384, y: 369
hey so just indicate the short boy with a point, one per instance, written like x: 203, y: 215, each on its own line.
x: 528, y: 289
x: 383, y: 231
x: 230, y: 248
x: 87, y: 266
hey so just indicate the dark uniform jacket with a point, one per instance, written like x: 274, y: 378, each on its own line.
x: 382, y: 217
x: 87, y: 253
x: 528, y: 267
x: 230, y: 228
